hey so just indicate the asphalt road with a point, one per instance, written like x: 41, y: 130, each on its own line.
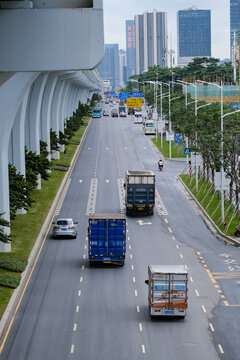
x: 72, y: 311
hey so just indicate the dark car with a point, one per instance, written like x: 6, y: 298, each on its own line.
x: 114, y: 113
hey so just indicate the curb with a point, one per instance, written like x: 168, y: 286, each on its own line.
x: 209, y: 222
x: 13, y: 304
x: 172, y: 159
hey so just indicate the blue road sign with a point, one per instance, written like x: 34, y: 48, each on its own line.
x: 124, y: 95
x: 113, y: 93
x: 177, y: 140
x: 187, y: 151
x: 177, y: 134
x: 137, y: 94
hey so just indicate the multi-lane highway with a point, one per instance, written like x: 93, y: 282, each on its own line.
x: 72, y: 311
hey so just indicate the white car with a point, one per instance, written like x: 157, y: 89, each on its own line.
x: 138, y: 118
x: 64, y: 228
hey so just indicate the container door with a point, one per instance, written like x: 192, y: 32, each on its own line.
x: 98, y: 237
x: 116, y: 237
x: 178, y: 291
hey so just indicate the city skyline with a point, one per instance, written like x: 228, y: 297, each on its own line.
x: 114, y: 21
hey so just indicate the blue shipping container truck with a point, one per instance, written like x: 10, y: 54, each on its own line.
x: 107, y: 238
x: 140, y: 192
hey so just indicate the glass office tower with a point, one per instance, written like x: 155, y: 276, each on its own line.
x: 130, y: 48
x: 234, y: 21
x: 194, y: 34
x: 109, y: 68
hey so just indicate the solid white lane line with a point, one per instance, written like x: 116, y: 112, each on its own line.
x: 191, y: 279
x: 132, y: 266
x: 134, y: 280
x: 82, y: 267
x: 204, y: 310
x: 81, y: 279
x: 135, y: 292
x: 77, y: 308
x: 143, y: 349
x: 79, y: 292
x: 75, y: 327
x: 140, y: 327
x: 138, y: 308
x: 221, y: 349
x: 197, y: 293
x: 72, y: 349
x: 181, y: 256
x: 177, y: 246
x: 211, y: 327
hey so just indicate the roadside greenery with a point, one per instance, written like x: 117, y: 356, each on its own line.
x: 204, y: 130
x: 177, y: 150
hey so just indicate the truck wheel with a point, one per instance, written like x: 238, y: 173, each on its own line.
x: 128, y: 212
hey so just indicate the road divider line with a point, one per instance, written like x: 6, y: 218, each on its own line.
x: 82, y: 267
x: 177, y: 246
x: 143, y: 349
x: 140, y: 327
x: 134, y: 279
x: 181, y: 256
x: 81, y: 279
x: 169, y: 229
x: 204, y: 309
x: 79, y: 292
x: 186, y: 267
x: 173, y: 238
x: 220, y: 348
x: 197, y: 293
x: 135, y: 293
x: 138, y: 308
x: 211, y: 327
x: 75, y: 327
x: 191, y: 279
x: 84, y: 256
x: 77, y: 308
x: 132, y: 266
x: 166, y: 221
x: 130, y: 256
x: 72, y: 349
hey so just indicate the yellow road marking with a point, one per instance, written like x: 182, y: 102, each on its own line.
x: 169, y: 229
x: 198, y: 253
x: 166, y: 221
x: 227, y: 303
x: 205, y: 265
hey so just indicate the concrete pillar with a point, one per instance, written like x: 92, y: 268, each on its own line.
x: 46, y: 111
x: 55, y: 111
x: 12, y: 93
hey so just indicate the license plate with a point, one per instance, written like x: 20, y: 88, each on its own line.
x: 140, y: 208
x: 106, y: 259
x: 63, y: 229
x: 169, y: 312
x: 107, y: 262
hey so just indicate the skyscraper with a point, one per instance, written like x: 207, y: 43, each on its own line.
x: 151, y: 40
x: 130, y: 48
x: 109, y: 68
x: 234, y: 21
x: 122, y: 62
x: 194, y: 34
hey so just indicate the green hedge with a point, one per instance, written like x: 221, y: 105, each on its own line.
x: 9, y: 280
x: 12, y: 264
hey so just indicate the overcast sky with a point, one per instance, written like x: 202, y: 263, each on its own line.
x: 116, y: 12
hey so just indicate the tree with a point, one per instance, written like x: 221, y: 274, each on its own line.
x: 3, y: 236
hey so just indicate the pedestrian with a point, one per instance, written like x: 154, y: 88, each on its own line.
x: 65, y: 153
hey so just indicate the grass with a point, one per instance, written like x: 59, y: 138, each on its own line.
x: 177, y: 150
x: 211, y: 203
x: 25, y: 228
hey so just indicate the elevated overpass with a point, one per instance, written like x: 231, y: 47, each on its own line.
x: 49, y: 51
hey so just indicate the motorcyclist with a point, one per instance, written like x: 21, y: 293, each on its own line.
x: 160, y: 164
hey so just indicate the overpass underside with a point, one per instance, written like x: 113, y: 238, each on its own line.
x: 49, y: 50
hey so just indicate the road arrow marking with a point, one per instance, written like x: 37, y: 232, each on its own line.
x: 141, y: 222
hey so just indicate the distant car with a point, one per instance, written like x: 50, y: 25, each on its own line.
x: 138, y: 117
x: 64, y: 228
x: 106, y: 113
x: 114, y: 113
x: 123, y: 114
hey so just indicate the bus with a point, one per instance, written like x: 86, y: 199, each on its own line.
x: 97, y: 112
x: 149, y: 128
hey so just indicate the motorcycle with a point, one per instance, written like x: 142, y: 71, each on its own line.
x: 160, y: 167
x: 237, y: 231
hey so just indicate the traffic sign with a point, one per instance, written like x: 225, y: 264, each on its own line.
x: 177, y: 134
x: 124, y: 95
x: 137, y: 94
x: 134, y: 102
x: 177, y: 140
x: 187, y: 151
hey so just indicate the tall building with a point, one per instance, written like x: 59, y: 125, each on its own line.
x: 130, y: 48
x: 109, y: 68
x: 122, y: 62
x: 151, y: 40
x: 194, y: 34
x: 234, y: 22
